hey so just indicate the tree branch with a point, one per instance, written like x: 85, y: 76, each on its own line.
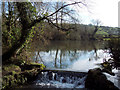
x: 46, y: 17
x: 58, y: 26
x: 64, y: 7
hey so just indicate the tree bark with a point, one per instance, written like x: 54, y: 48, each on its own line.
x: 24, y: 32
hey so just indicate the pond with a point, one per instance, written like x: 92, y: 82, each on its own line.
x: 79, y: 56
x: 71, y: 55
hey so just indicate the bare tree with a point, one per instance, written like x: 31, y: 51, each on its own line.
x: 64, y: 15
x: 96, y: 24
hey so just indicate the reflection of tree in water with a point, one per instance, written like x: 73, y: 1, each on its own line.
x: 63, y: 54
x: 64, y: 58
x: 38, y: 58
x: 56, y: 58
x: 61, y: 58
x: 94, y: 55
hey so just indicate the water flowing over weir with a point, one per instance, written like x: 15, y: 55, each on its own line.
x: 60, y: 79
x: 75, y: 56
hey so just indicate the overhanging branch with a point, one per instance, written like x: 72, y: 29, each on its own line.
x: 64, y: 7
x: 45, y: 17
x: 59, y: 27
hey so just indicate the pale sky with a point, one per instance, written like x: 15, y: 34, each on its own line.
x: 104, y: 10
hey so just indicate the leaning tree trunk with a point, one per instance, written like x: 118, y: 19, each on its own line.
x: 24, y: 31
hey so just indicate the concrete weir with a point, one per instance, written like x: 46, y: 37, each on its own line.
x: 61, y: 79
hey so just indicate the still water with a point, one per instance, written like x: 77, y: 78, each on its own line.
x: 72, y: 55
x: 79, y: 56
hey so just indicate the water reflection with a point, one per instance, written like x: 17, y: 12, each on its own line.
x: 70, y: 54
x: 71, y: 60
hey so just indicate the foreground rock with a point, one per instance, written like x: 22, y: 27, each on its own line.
x: 26, y: 74
x: 98, y: 81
